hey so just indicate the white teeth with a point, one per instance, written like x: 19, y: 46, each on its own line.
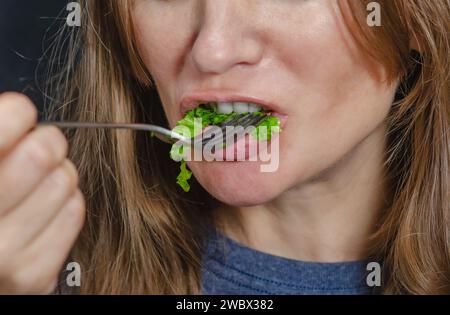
x: 240, y: 108
x: 225, y: 108
x: 236, y: 107
x: 253, y: 108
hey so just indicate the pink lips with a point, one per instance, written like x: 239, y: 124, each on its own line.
x: 191, y: 101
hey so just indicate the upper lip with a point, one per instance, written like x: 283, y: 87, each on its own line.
x: 193, y: 100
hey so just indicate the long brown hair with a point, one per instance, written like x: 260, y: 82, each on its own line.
x: 413, y: 237
x: 143, y: 235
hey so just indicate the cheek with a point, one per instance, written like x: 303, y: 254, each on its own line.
x: 151, y: 45
x: 340, y: 104
x: 339, y: 97
x: 325, y: 63
x: 161, y: 53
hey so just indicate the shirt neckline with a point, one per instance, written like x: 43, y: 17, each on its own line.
x: 249, y: 263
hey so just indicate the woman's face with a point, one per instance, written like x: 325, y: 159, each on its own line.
x: 295, y: 54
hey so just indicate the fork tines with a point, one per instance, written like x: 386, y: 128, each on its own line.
x: 241, y: 120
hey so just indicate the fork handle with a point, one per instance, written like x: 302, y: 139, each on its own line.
x: 168, y: 134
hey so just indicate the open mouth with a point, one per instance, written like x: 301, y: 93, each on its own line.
x: 205, y: 114
x: 228, y: 113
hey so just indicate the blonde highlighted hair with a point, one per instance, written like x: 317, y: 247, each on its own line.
x: 143, y: 236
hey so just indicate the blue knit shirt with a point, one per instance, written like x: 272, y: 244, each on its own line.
x: 231, y: 268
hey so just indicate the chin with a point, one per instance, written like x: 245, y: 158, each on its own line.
x: 239, y: 184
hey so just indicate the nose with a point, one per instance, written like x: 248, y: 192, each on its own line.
x: 226, y: 37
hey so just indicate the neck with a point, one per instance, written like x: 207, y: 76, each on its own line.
x: 326, y: 219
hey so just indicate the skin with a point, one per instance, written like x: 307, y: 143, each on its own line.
x: 41, y: 208
x: 323, y: 201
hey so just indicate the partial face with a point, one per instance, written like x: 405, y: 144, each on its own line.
x: 297, y: 55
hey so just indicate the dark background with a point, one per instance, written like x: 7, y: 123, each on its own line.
x: 23, y: 26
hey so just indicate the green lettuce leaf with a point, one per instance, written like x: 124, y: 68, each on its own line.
x: 184, y: 177
x: 263, y: 132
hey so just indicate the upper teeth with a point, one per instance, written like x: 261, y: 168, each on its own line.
x: 237, y: 107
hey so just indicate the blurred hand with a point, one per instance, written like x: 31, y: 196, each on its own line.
x: 41, y: 208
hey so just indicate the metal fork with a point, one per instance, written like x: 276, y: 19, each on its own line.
x: 169, y: 136
x: 242, y: 120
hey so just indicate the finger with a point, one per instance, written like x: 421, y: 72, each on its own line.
x: 38, y: 266
x: 30, y: 161
x: 33, y: 215
x: 17, y: 116
x: 50, y: 250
